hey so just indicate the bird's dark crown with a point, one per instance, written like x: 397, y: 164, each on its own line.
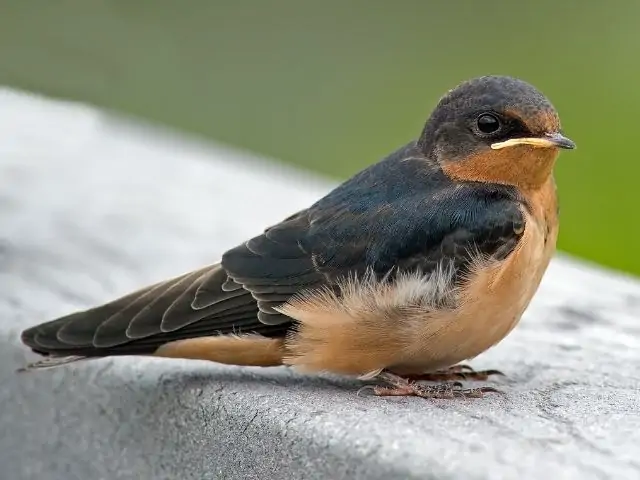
x: 452, y: 130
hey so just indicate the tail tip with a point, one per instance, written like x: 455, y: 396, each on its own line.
x: 49, y: 362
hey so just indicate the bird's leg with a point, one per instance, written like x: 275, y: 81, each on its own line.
x: 456, y: 372
x: 404, y: 387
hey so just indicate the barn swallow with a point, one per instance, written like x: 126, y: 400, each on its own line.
x: 421, y: 261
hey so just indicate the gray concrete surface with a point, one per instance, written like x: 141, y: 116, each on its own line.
x: 92, y: 207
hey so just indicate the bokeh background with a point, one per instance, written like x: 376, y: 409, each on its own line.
x: 335, y: 85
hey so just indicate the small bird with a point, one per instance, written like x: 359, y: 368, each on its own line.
x: 421, y: 261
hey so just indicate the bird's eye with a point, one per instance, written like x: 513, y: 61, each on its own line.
x: 488, y: 124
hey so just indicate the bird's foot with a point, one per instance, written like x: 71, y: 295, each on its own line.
x: 404, y: 387
x: 456, y: 372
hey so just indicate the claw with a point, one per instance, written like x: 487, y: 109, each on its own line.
x: 478, y: 392
x: 404, y: 387
x: 461, y: 368
x: 494, y: 372
x: 461, y: 372
x: 366, y: 387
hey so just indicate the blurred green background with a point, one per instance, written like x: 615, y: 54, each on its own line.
x: 335, y: 85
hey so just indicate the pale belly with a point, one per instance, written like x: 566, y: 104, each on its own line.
x: 489, y: 307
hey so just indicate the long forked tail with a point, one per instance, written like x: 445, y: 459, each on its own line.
x: 195, y: 315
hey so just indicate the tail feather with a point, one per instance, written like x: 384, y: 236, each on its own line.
x: 51, y: 362
x: 136, y: 324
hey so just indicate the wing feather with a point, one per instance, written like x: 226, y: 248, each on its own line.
x: 397, y: 216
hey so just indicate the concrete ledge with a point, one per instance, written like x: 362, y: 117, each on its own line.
x: 92, y: 207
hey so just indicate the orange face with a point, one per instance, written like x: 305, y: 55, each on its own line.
x: 495, y: 129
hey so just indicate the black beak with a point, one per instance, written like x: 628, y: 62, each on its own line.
x: 560, y: 141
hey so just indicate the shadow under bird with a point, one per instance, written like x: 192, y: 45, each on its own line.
x: 417, y: 263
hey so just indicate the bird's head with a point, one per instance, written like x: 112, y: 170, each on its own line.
x: 496, y: 129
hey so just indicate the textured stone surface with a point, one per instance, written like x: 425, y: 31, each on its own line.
x: 92, y: 207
